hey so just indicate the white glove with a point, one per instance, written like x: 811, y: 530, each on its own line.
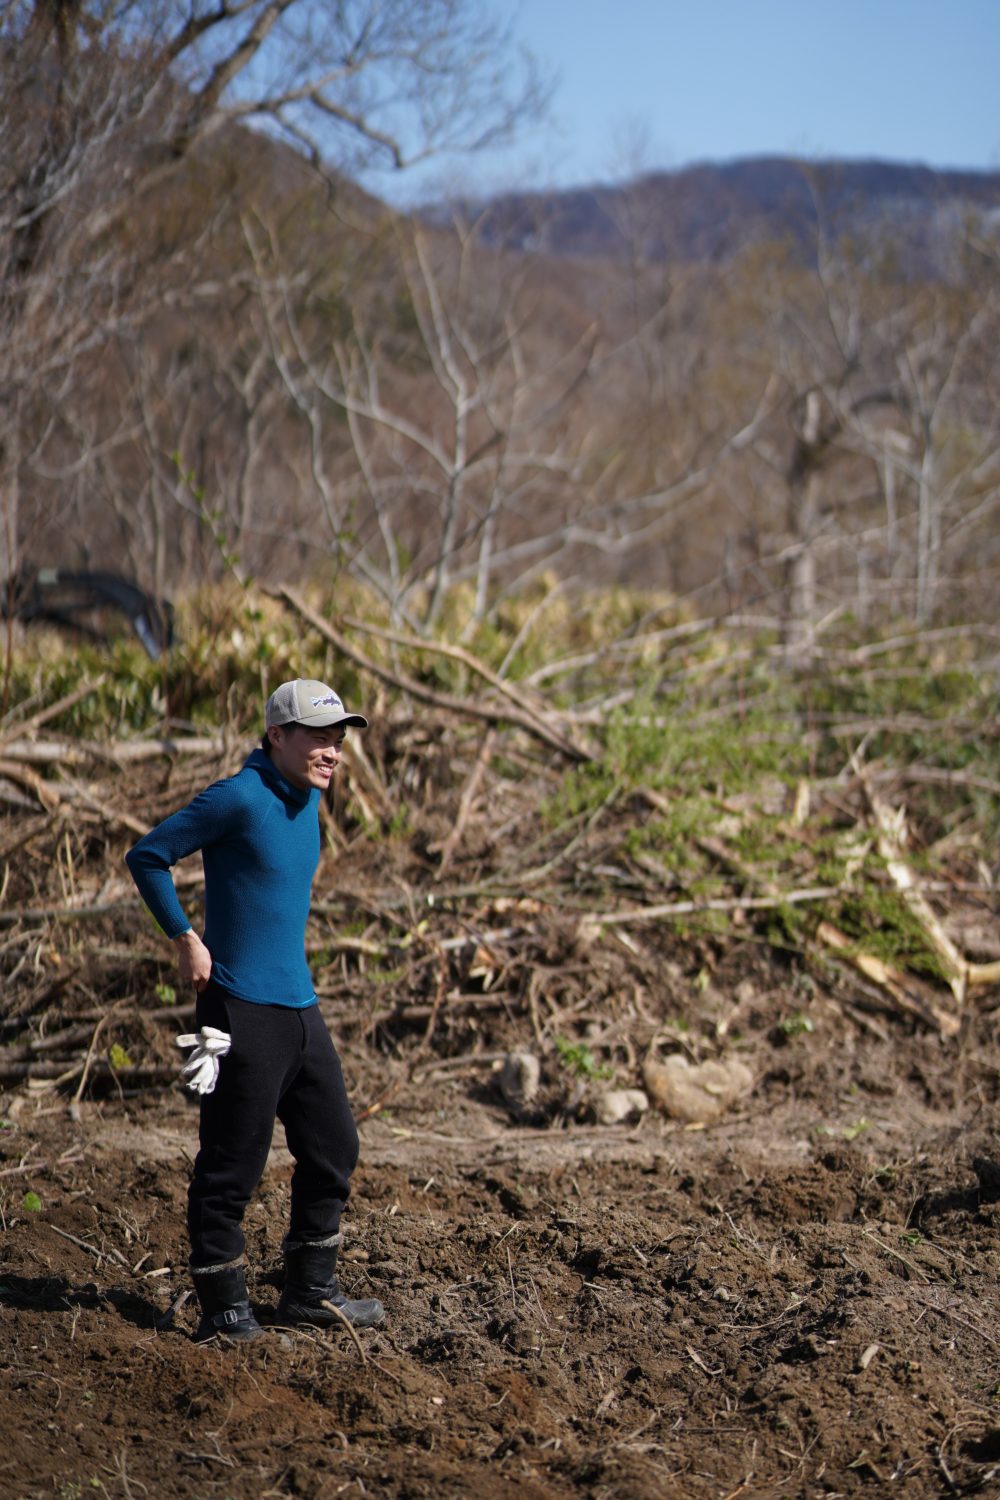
x: 202, y: 1068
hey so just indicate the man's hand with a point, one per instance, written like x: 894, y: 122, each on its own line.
x: 193, y: 959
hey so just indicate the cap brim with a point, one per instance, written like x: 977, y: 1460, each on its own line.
x: 349, y: 721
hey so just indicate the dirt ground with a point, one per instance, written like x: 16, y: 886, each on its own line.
x: 801, y: 1299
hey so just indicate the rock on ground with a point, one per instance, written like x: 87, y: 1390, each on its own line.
x: 698, y: 1092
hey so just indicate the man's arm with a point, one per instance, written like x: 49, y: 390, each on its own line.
x: 150, y: 861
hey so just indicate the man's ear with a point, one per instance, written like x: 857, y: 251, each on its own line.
x: 274, y: 733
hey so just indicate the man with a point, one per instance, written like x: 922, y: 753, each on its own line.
x: 263, y: 1049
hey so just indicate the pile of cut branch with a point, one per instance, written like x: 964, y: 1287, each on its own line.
x: 498, y: 874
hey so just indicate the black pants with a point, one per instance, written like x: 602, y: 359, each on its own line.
x: 282, y: 1063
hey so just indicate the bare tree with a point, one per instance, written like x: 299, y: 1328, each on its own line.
x: 453, y: 406
x: 100, y: 109
x: 883, y: 454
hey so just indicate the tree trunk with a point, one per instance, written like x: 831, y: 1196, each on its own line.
x: 927, y: 534
x: 803, y: 523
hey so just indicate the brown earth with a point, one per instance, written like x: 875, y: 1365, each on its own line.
x: 801, y: 1299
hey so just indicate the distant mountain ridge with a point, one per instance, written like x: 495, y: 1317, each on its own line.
x: 709, y: 212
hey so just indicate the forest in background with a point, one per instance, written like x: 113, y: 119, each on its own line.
x: 219, y: 356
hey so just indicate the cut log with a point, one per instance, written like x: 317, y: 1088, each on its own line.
x: 892, y: 980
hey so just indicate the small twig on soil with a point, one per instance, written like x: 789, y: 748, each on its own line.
x: 739, y: 1488
x: 90, y: 1050
x: 534, y: 982
x: 122, y: 1464
x: 734, y: 903
x: 332, y: 1307
x: 25, y: 1166
x: 947, y: 1313
x: 168, y: 1317
x: 905, y: 1260
x: 218, y: 1457
x: 442, y: 979
x: 380, y: 1103
x: 499, y: 1001
x: 693, y: 1353
x: 448, y: 1064
x: 91, y: 1249
x: 946, y: 1472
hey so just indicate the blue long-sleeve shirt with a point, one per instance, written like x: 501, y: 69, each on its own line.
x: 259, y: 840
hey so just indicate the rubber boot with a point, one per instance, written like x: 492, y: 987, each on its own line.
x: 311, y: 1282
x: 225, y: 1307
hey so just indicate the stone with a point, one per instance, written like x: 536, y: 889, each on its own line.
x: 619, y: 1105
x: 519, y: 1079
x: 695, y: 1093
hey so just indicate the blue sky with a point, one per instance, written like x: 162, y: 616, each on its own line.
x: 649, y: 84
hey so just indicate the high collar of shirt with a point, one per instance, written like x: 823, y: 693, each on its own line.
x: 272, y: 777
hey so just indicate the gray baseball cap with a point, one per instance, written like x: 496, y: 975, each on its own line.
x: 306, y: 701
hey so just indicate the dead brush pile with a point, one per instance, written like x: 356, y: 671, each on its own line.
x: 583, y: 849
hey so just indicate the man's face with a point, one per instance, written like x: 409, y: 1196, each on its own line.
x: 306, y: 757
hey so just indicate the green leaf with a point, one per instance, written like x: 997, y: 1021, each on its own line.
x: 579, y: 1060
x: 797, y: 1025
x: 31, y: 1203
